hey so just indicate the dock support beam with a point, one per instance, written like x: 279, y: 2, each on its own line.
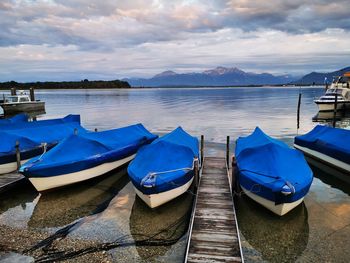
x: 18, y: 155
x: 196, y: 174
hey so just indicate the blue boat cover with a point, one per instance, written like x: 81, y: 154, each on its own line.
x: 330, y: 141
x: 268, y: 167
x: 87, y: 150
x: 16, y: 124
x: 22, y: 117
x: 165, y: 164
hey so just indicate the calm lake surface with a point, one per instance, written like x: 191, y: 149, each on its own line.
x: 107, y: 208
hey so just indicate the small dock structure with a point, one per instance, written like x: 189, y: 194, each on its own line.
x: 213, y: 235
x: 10, y: 180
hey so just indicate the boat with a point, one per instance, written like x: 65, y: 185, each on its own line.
x: 83, y: 156
x: 328, y: 146
x: 33, y: 141
x: 164, y: 169
x: 22, y: 102
x: 18, y: 122
x: 271, y: 173
x: 340, y: 90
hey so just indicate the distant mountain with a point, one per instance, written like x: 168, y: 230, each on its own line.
x: 316, y: 78
x: 219, y: 76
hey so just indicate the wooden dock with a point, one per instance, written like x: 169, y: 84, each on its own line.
x: 8, y: 181
x: 214, y: 233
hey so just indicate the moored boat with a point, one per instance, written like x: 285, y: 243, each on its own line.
x: 164, y: 169
x: 271, y: 173
x: 329, y: 146
x: 87, y: 155
x: 339, y: 91
x: 22, y: 102
x: 32, y: 142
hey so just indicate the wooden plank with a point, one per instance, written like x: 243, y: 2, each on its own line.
x: 214, y: 236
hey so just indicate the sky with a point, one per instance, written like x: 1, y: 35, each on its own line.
x: 42, y: 40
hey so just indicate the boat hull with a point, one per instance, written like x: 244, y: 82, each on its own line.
x: 9, y: 167
x: 329, y: 106
x: 155, y: 200
x: 50, y: 182
x: 340, y: 166
x: 32, y: 106
x: 280, y: 209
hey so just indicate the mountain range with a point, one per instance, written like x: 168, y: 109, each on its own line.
x: 219, y: 76
x: 316, y: 78
x: 222, y: 76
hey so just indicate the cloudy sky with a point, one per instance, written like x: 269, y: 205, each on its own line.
x: 109, y: 39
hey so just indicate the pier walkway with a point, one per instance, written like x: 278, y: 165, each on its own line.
x: 214, y: 233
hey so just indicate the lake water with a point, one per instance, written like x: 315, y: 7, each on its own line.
x: 318, y: 230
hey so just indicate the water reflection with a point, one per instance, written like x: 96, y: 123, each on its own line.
x: 278, y: 239
x: 169, y: 221
x: 77, y: 201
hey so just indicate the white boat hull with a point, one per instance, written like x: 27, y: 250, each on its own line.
x: 329, y: 106
x: 280, y: 209
x: 330, y: 161
x: 9, y: 167
x: 50, y: 182
x: 155, y: 200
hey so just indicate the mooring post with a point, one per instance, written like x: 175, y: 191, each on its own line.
x: 298, y: 111
x: 18, y: 155
x: 31, y: 92
x: 202, y: 149
x: 335, y: 108
x: 95, y: 129
x: 228, y: 151
x: 13, y: 91
x: 196, y: 174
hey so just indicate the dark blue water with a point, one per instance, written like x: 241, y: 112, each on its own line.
x: 314, y: 232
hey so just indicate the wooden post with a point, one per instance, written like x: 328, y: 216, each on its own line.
x: 335, y: 108
x: 32, y: 96
x: 298, y: 112
x: 233, y: 179
x: 202, y: 149
x: 196, y: 174
x: 228, y: 151
x: 18, y: 155
x: 95, y: 129
x: 13, y: 91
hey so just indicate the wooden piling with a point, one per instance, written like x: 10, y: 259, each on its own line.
x: 228, y: 151
x: 298, y: 111
x: 13, y: 92
x: 335, y: 108
x: 31, y: 92
x: 95, y: 129
x: 18, y: 155
x: 196, y: 174
x: 202, y: 148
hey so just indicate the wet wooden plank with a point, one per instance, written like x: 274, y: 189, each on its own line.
x: 214, y: 236
x: 9, y: 180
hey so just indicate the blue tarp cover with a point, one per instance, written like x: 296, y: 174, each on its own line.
x: 173, y: 151
x: 16, y: 124
x: 265, y: 165
x: 22, y: 117
x: 330, y: 141
x: 87, y: 150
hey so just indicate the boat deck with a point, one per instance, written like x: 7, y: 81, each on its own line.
x: 8, y: 181
x: 214, y: 233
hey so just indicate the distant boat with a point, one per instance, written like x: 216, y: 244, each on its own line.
x: 164, y: 169
x: 15, y: 104
x: 271, y: 173
x: 327, y: 145
x: 340, y: 89
x: 32, y: 136
x: 85, y: 155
